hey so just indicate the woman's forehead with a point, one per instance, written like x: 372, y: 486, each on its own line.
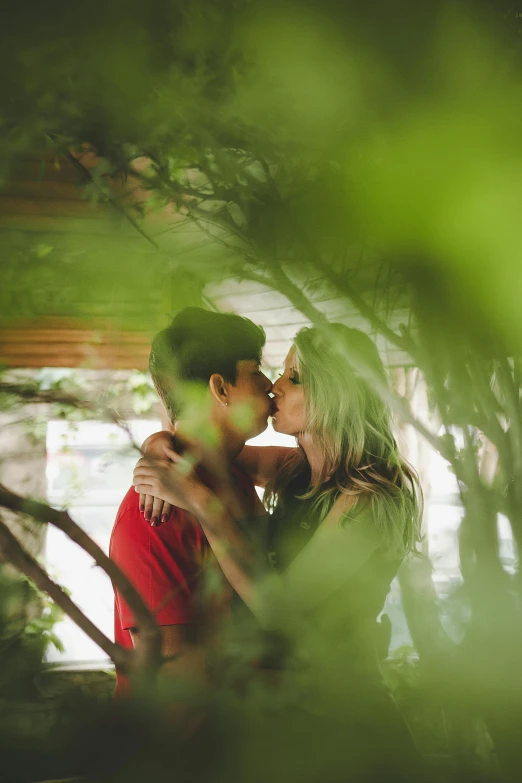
x: 290, y: 358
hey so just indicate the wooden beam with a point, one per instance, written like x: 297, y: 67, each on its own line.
x: 51, y: 207
x: 105, y: 348
x: 44, y: 189
x: 116, y: 225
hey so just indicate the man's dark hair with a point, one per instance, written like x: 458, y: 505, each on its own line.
x: 197, y: 344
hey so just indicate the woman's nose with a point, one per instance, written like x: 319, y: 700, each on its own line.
x: 275, y: 388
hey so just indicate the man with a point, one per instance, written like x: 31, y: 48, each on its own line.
x: 205, y: 367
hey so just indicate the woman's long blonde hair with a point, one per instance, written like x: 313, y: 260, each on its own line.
x: 350, y: 424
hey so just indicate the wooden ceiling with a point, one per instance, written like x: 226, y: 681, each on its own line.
x: 281, y: 321
x: 44, y: 206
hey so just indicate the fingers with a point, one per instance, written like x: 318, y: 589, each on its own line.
x: 172, y: 456
x: 165, y: 514
x: 146, y: 463
x: 159, y: 511
x: 157, y: 508
x: 143, y: 473
x: 184, y: 463
x: 143, y: 489
x: 149, y: 503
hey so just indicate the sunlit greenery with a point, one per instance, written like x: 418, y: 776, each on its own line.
x: 375, y: 149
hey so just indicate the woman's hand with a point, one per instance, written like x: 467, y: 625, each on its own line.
x: 171, y: 480
x: 155, y: 510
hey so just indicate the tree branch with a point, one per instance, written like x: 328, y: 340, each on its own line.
x: 368, y: 312
x: 31, y: 393
x: 281, y: 282
x: 13, y: 551
x: 111, y: 199
x: 149, y: 650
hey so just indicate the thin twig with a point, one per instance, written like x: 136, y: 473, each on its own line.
x: 111, y: 199
x: 30, y: 393
x: 281, y: 282
x: 366, y: 310
x: 13, y: 551
x: 401, y: 406
x: 149, y: 651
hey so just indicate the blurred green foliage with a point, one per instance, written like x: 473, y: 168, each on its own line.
x: 27, y: 620
x: 377, y: 147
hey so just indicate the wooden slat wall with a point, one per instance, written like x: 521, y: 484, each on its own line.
x: 44, y: 197
x: 281, y: 321
x: 67, y: 343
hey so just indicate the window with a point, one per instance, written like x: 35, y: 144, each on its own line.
x: 89, y: 470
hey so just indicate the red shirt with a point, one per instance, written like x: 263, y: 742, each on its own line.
x: 166, y: 564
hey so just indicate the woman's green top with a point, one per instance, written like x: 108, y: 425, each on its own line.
x: 342, y: 610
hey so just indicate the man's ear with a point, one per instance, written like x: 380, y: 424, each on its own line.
x: 219, y: 388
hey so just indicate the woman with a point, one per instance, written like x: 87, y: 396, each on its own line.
x: 346, y: 511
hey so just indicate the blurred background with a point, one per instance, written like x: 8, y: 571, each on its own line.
x: 294, y: 163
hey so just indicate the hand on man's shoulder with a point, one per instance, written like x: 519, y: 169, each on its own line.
x: 153, y: 445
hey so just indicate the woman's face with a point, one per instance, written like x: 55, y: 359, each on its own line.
x: 289, y: 401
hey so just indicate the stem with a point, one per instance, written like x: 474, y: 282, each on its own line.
x: 113, y: 201
x: 488, y: 402
x: 282, y: 283
x: 514, y: 433
x: 368, y: 312
x: 512, y: 398
x: 30, y: 393
x: 403, y: 409
x: 149, y: 650
x: 22, y: 560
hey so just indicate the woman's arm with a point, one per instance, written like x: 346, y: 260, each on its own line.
x: 262, y: 463
x: 330, y: 558
x: 154, y: 509
x: 173, y: 480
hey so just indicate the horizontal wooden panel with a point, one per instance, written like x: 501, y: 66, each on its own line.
x: 69, y: 225
x: 59, y: 342
x: 59, y: 169
x: 106, y: 324
x: 104, y: 358
x: 112, y: 245
x: 22, y: 188
x: 55, y: 348
x: 50, y: 207
x: 254, y: 302
x: 23, y: 337
x: 226, y: 288
x: 281, y: 333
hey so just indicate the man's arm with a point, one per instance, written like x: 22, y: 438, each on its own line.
x: 261, y: 463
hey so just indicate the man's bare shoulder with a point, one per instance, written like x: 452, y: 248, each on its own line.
x: 153, y: 445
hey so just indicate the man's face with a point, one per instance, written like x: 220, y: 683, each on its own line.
x: 249, y: 403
